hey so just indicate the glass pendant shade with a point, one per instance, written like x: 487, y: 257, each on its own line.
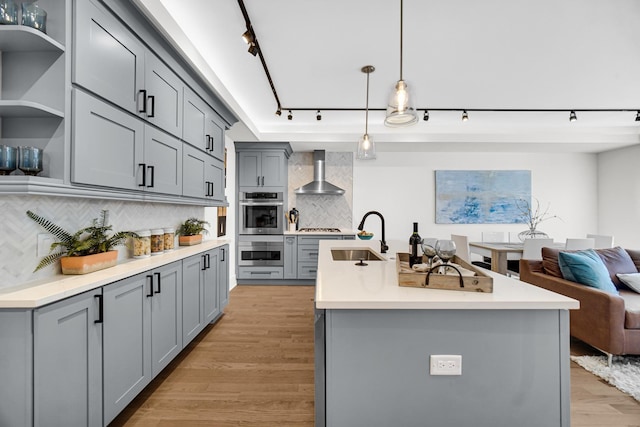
x: 400, y: 110
x: 366, y: 148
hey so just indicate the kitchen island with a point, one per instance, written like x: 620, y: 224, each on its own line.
x: 374, y: 340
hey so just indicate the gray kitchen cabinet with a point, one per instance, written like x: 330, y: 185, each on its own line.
x: 201, y: 301
x: 142, y: 333
x: 113, y: 149
x: 163, y: 99
x: 223, y: 277
x: 290, y: 257
x: 67, y: 362
x: 203, y: 175
x: 259, y: 272
x: 108, y: 59
x: 308, y: 254
x: 262, y: 169
x: 202, y: 127
x: 162, y: 162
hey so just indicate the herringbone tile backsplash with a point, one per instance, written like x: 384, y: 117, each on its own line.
x: 19, y: 234
x: 322, y: 211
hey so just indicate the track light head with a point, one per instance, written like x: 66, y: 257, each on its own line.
x: 572, y: 116
x: 290, y: 116
x: 425, y: 116
x: 318, y: 115
x: 247, y: 37
x: 638, y: 117
x: 253, y: 49
x: 278, y: 112
x: 465, y: 116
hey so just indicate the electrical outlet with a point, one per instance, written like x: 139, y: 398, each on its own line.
x: 44, y: 244
x: 445, y: 364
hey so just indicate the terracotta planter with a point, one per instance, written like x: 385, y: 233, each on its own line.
x: 190, y: 240
x: 88, y: 263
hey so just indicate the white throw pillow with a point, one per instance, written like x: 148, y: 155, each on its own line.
x: 632, y: 280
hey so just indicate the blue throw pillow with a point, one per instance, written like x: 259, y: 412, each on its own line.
x: 586, y: 267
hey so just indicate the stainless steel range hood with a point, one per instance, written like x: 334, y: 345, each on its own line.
x: 319, y: 186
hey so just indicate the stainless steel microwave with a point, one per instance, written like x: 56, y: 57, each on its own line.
x: 261, y: 213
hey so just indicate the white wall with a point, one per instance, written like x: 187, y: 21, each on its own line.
x: 401, y: 186
x: 619, y: 196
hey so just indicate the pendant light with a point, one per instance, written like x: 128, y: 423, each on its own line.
x: 400, y: 110
x: 366, y: 147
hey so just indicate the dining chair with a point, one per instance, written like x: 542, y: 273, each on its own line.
x: 532, y: 248
x: 574, y: 244
x: 462, y: 251
x: 493, y: 236
x: 601, y: 241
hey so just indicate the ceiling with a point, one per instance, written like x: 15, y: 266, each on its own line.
x: 458, y: 54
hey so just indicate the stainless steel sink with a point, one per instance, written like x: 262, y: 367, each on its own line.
x: 355, y: 254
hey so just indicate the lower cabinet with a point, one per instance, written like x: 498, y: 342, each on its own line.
x: 290, y: 257
x: 67, y: 362
x: 80, y: 361
x: 142, y: 333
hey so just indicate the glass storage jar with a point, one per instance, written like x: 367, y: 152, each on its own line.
x: 169, y: 238
x: 157, y: 241
x: 142, y: 244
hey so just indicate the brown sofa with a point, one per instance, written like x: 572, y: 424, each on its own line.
x: 606, y: 321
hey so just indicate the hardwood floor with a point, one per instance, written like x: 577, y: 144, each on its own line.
x: 255, y: 368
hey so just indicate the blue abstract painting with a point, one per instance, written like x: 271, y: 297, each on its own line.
x: 481, y: 196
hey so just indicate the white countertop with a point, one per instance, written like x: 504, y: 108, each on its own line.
x: 342, y: 232
x: 42, y: 292
x: 343, y: 285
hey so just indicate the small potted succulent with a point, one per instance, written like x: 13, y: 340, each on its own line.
x: 88, y: 249
x: 190, y: 232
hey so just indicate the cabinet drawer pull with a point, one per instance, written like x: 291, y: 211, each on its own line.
x: 152, y: 112
x: 159, y: 279
x: 261, y: 272
x: 100, y: 309
x: 150, y: 277
x: 142, y: 92
x: 144, y: 174
x: 153, y: 175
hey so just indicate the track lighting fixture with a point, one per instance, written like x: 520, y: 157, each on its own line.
x: 465, y: 116
x: 278, y: 112
x: 250, y: 39
x: 289, y: 116
x: 638, y: 117
x: 366, y: 147
x: 318, y: 115
x: 572, y: 116
x: 425, y: 116
x: 400, y: 111
x: 247, y: 37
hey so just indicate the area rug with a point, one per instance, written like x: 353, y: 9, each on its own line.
x: 624, y: 374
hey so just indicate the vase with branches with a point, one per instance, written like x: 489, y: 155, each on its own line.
x: 533, y: 216
x: 91, y: 240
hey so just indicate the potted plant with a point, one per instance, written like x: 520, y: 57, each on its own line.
x: 190, y: 232
x: 88, y: 249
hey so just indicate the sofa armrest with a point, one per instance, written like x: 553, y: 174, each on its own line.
x: 600, y: 319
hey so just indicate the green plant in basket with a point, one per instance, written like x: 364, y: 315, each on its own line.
x: 86, y: 241
x: 192, y: 227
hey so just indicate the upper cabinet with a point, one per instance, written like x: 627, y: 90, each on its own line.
x: 103, y: 94
x: 262, y: 169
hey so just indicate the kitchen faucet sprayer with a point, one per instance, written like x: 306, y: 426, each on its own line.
x: 383, y: 242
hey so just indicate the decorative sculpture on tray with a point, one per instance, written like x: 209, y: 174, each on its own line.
x: 533, y: 217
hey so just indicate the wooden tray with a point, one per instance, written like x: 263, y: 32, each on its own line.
x: 481, y: 282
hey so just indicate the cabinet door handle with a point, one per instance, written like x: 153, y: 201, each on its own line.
x: 153, y: 175
x: 258, y: 181
x: 152, y: 112
x: 100, y: 309
x: 159, y: 279
x: 150, y: 277
x: 208, y: 260
x: 144, y: 174
x: 263, y: 181
x: 143, y: 92
x: 223, y: 254
x: 208, y: 142
x: 204, y: 262
x: 212, y: 144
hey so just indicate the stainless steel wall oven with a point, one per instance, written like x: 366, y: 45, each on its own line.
x: 261, y: 213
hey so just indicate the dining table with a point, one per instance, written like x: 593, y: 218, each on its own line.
x: 500, y: 253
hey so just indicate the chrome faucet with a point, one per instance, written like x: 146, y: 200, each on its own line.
x: 383, y: 242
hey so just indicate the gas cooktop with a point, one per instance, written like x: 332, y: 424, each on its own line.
x: 319, y: 230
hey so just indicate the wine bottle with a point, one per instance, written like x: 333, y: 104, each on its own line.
x: 415, y: 257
